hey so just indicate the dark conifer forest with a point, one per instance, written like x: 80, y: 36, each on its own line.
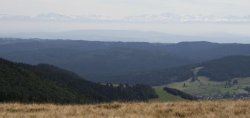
x: 49, y: 84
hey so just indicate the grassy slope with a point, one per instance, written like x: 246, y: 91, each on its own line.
x: 205, y: 109
x: 203, y: 86
x: 164, y: 96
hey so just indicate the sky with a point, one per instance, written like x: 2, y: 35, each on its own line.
x: 182, y: 17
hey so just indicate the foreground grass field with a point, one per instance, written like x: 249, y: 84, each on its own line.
x: 205, y: 109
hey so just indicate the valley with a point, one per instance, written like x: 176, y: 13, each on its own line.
x: 117, y: 62
x: 206, y: 88
x: 179, y: 66
x: 125, y: 59
x: 117, y: 79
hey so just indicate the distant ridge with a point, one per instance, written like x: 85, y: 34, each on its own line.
x: 103, y: 61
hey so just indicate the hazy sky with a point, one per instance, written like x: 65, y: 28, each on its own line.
x: 188, y: 17
x: 121, y: 8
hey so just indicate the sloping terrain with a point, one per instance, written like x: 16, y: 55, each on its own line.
x: 46, y: 83
x: 223, y: 69
x: 227, y: 77
x: 206, y: 87
x: 100, y: 61
x: 226, y: 68
x: 164, y: 96
x: 91, y: 59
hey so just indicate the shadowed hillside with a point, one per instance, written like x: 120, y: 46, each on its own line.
x: 99, y: 61
x: 223, y: 69
x: 46, y: 83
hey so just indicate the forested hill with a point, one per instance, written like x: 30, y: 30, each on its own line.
x: 223, y: 69
x: 98, y: 60
x: 226, y: 68
x: 46, y: 83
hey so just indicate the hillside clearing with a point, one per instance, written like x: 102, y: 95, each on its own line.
x: 205, y: 109
x: 164, y: 96
x: 205, y: 87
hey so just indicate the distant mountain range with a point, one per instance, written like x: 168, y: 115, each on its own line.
x: 49, y: 84
x: 106, y: 61
x: 144, y: 18
x: 129, y: 36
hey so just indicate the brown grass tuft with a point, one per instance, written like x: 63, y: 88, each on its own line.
x: 203, y: 109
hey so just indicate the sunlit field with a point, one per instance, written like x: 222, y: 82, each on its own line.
x: 205, y: 109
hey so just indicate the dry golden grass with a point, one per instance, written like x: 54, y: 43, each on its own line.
x: 205, y: 109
